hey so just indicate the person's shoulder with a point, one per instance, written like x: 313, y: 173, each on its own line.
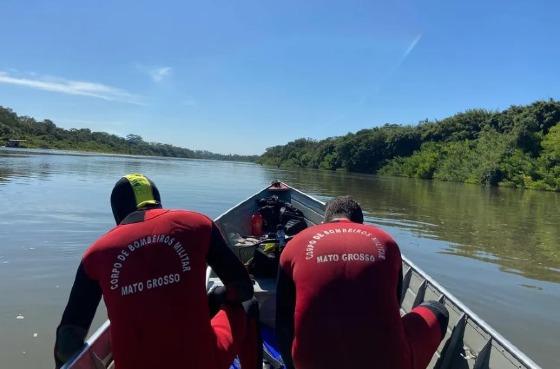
x: 308, y: 232
x: 189, y: 217
x: 378, y: 232
x: 184, y: 213
x: 103, y: 242
x: 299, y: 241
x: 387, y: 241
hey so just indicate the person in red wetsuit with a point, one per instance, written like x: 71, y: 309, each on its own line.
x: 150, y: 270
x: 338, y: 299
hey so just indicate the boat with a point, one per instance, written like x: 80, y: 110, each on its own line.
x: 470, y: 343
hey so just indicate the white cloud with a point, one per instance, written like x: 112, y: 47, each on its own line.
x: 156, y: 73
x: 412, y: 46
x: 70, y: 87
x: 378, y: 88
x: 409, y: 50
x: 404, y: 56
x: 160, y: 73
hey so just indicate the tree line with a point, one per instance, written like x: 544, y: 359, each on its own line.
x: 45, y: 134
x: 517, y: 147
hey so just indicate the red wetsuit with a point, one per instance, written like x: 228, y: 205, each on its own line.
x: 338, y: 303
x: 151, y: 271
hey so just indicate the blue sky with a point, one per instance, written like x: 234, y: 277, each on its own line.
x: 240, y: 76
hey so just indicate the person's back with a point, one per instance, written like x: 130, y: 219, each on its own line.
x: 151, y: 272
x: 149, y: 285
x: 338, y: 300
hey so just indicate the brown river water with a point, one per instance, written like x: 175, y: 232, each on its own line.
x: 497, y: 250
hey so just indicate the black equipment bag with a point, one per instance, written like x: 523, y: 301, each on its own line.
x: 264, y: 264
x: 276, y: 212
x: 269, y: 208
x: 294, y: 226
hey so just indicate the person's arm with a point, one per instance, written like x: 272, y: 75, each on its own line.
x: 394, y: 254
x: 77, y: 316
x: 285, y: 306
x: 230, y: 270
x: 400, y: 286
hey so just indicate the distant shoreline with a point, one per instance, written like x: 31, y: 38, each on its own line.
x: 62, y: 152
x: 20, y: 130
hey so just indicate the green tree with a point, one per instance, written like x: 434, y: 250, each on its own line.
x: 134, y: 139
x: 549, y: 162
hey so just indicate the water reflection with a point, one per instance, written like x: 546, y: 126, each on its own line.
x: 16, y: 164
x: 518, y: 230
x: 6, y: 173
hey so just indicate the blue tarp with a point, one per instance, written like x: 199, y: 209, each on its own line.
x: 269, y: 345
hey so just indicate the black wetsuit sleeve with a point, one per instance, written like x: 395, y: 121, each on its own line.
x: 285, y: 306
x: 400, y: 286
x: 77, y: 317
x: 229, y: 268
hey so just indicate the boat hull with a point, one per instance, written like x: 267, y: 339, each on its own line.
x: 470, y: 343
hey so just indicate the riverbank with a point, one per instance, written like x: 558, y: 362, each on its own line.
x: 518, y: 147
x: 38, y: 151
x: 46, y: 135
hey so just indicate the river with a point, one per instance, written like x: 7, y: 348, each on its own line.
x: 496, y: 249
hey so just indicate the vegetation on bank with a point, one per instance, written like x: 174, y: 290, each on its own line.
x: 517, y: 147
x: 47, y: 135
